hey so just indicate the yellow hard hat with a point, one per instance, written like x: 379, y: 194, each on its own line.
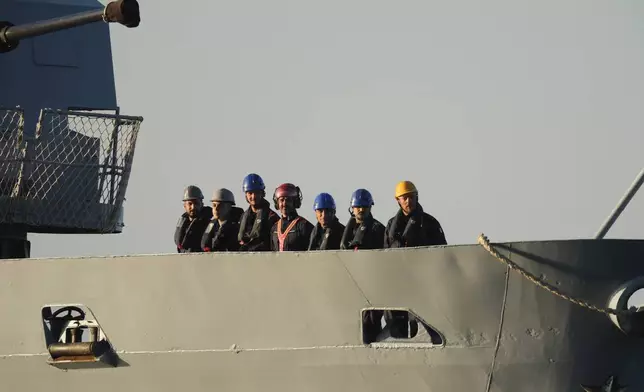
x: 405, y: 187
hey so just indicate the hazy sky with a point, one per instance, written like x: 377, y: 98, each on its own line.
x: 519, y: 119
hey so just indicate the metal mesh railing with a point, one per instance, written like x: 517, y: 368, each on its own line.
x: 11, y: 154
x: 74, y: 173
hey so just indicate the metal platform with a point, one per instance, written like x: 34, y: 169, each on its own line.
x: 72, y: 176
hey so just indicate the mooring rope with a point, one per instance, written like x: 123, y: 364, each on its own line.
x: 485, y: 243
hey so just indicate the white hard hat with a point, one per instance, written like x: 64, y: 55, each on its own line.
x: 223, y: 194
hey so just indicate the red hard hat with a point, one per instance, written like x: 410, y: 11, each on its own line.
x: 288, y: 190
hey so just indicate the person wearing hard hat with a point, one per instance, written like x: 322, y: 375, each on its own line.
x: 192, y: 223
x: 256, y: 222
x: 291, y: 232
x: 327, y: 233
x: 362, y: 231
x: 411, y: 226
x: 221, y: 233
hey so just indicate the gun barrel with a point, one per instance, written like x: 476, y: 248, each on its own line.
x: 125, y: 12
x: 15, y: 34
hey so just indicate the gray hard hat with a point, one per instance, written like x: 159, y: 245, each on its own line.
x: 223, y: 194
x: 192, y: 192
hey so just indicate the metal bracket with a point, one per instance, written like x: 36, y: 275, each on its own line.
x: 77, y: 341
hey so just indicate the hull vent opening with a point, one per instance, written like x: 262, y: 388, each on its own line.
x: 398, y: 326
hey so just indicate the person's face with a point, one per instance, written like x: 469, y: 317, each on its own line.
x: 192, y: 207
x: 285, y: 205
x: 408, y: 202
x: 361, y: 213
x: 324, y: 216
x: 220, y: 209
x: 253, y: 198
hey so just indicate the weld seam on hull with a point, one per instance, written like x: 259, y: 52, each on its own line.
x: 383, y: 346
x: 353, y: 279
x: 498, y: 337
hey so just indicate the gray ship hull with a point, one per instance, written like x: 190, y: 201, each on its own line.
x: 293, y: 321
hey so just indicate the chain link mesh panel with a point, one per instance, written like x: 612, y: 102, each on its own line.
x: 11, y: 155
x: 74, y: 174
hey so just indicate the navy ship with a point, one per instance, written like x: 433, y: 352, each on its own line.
x: 521, y: 316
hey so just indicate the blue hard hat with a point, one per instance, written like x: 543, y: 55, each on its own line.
x: 322, y: 201
x: 361, y: 198
x: 253, y: 182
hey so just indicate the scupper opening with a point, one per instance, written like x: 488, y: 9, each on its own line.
x: 398, y: 325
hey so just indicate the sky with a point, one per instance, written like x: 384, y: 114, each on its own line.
x: 521, y: 120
